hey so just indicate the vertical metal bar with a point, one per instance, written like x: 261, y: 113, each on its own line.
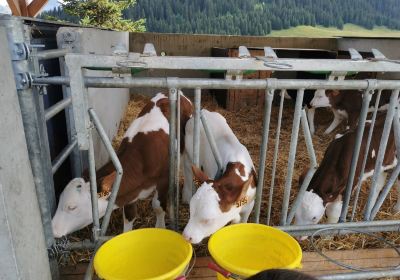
x: 311, y: 171
x: 33, y: 129
x: 172, y: 154
x: 269, y: 96
x: 292, y: 155
x: 381, y: 153
x: 385, y: 191
x: 118, y: 167
x: 356, y: 153
x: 213, y: 145
x: 196, y: 132
x: 276, y: 149
x: 76, y: 158
x: 93, y: 189
x: 178, y: 157
x: 371, y: 129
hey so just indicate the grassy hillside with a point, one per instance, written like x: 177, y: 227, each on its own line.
x: 348, y: 30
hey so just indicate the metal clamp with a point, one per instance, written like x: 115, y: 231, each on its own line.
x: 23, y: 80
x: 20, y: 51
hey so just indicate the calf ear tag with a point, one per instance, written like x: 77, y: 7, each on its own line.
x: 242, y: 201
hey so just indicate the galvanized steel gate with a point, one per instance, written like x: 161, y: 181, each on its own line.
x: 83, y: 119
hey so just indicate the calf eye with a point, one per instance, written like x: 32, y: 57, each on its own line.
x: 71, y: 208
x: 314, y: 219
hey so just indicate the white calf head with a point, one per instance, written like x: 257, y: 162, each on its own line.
x: 320, y: 99
x: 74, y: 208
x: 310, y: 210
x: 214, y: 204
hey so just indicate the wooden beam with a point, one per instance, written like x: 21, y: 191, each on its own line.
x: 23, y: 7
x: 35, y: 7
x: 14, y: 7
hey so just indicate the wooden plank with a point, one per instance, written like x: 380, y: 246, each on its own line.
x: 35, y: 6
x: 79, y: 268
x: 351, y: 254
x: 23, y: 8
x: 14, y: 7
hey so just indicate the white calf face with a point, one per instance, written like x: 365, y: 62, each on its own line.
x: 310, y: 210
x: 320, y: 99
x: 206, y: 217
x: 74, y: 209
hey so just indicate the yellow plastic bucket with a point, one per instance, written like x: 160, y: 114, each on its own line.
x: 150, y: 253
x: 246, y: 249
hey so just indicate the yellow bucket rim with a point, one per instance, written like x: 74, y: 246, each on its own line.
x: 296, y: 263
x: 100, y: 271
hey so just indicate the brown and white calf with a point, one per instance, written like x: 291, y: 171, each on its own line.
x: 143, y: 154
x: 324, y: 193
x: 346, y: 104
x: 229, y: 198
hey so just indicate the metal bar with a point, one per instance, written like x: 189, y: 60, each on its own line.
x: 269, y: 96
x: 137, y: 60
x: 130, y: 82
x: 371, y: 129
x: 178, y: 152
x: 362, y: 275
x: 213, y: 145
x: 56, y: 108
x: 49, y: 54
x: 172, y: 153
x: 381, y: 153
x: 276, y: 149
x: 311, y: 171
x: 356, y: 153
x: 118, y: 167
x: 292, y: 155
x: 59, y: 160
x: 385, y: 191
x: 93, y: 189
x: 196, y: 132
x: 339, y: 228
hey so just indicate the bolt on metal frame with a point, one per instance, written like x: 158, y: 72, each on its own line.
x: 84, y: 119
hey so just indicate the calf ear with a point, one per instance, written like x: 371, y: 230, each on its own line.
x: 332, y: 92
x: 199, y: 175
x: 254, y: 177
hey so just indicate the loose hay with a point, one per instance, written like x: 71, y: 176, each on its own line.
x: 247, y: 125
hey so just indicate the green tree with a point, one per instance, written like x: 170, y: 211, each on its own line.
x: 104, y: 14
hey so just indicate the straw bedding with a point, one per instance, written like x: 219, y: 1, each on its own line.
x: 247, y: 125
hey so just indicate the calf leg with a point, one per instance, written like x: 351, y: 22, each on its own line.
x: 158, y: 210
x: 336, y: 121
x: 379, y: 185
x: 188, y: 178
x: 310, y: 117
x: 246, y: 211
x: 129, y: 213
x: 396, y: 208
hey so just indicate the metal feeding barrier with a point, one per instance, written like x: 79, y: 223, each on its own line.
x: 82, y: 120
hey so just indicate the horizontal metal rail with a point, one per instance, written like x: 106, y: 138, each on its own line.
x: 50, y: 54
x: 361, y: 275
x: 272, y: 83
x: 340, y: 228
x: 59, y: 160
x: 136, y: 60
x: 56, y: 108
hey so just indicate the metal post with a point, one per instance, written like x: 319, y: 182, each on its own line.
x: 118, y: 167
x: 269, y: 96
x: 292, y: 155
x: 276, y: 149
x: 178, y: 157
x: 213, y: 145
x: 93, y: 189
x: 172, y: 155
x: 371, y: 129
x: 354, y: 159
x: 19, y: 40
x: 381, y: 153
x: 196, y: 131
x: 311, y: 171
